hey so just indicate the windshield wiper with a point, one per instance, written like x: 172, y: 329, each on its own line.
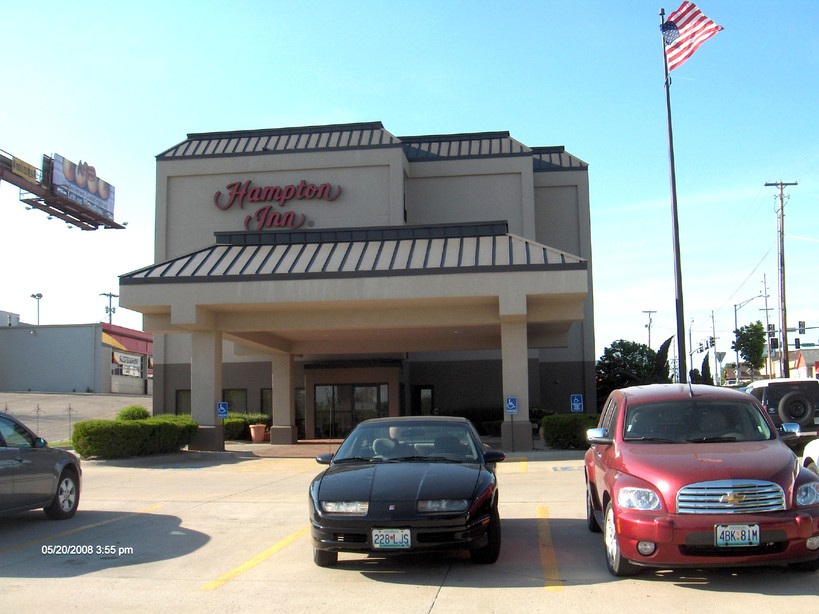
x: 711, y: 439
x: 358, y: 459
x: 653, y: 439
x: 416, y: 457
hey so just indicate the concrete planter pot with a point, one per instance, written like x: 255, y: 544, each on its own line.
x: 257, y: 433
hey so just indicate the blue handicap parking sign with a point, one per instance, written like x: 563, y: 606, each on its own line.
x: 222, y: 410
x: 577, y: 402
x: 511, y: 405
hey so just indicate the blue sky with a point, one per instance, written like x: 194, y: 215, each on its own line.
x: 117, y: 83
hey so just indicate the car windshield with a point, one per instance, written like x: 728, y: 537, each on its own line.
x: 382, y: 442
x: 695, y: 420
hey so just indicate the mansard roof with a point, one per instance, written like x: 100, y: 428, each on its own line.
x: 368, y: 135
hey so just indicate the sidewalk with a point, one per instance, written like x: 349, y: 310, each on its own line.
x: 312, y: 448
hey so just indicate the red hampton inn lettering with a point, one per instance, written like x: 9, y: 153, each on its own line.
x: 239, y: 193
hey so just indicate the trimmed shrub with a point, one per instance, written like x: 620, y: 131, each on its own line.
x: 123, y: 438
x: 133, y: 412
x: 235, y: 428
x: 237, y: 425
x: 568, y: 431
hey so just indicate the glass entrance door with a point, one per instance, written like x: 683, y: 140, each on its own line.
x: 340, y: 407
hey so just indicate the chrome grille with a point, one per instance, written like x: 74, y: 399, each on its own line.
x: 730, y: 497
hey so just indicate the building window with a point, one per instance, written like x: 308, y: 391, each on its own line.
x: 266, y: 403
x: 183, y: 402
x: 236, y: 399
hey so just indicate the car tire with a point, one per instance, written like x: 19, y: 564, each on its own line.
x: 796, y: 407
x: 489, y: 553
x: 591, y: 521
x: 67, y: 496
x: 617, y: 564
x: 324, y: 558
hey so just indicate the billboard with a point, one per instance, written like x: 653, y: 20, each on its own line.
x: 80, y: 184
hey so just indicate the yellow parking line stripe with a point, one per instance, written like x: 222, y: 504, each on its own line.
x: 247, y: 566
x: 548, y: 560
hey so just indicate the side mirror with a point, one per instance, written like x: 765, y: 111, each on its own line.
x: 493, y: 456
x: 324, y: 459
x: 40, y: 443
x: 789, y: 432
x: 599, y: 435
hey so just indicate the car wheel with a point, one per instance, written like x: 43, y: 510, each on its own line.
x: 491, y: 551
x: 796, y: 407
x: 324, y: 558
x: 618, y: 566
x: 591, y: 521
x: 67, y: 497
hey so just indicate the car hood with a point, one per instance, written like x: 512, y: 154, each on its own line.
x: 670, y: 467
x: 394, y: 482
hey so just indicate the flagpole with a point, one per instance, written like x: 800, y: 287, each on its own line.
x: 682, y: 371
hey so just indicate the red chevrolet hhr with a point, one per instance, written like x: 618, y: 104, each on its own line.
x: 697, y: 476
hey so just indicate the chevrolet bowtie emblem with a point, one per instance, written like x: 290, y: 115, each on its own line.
x: 732, y: 497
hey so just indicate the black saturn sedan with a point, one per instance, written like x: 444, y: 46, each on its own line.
x: 410, y: 484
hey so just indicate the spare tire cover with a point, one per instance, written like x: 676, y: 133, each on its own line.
x: 796, y: 407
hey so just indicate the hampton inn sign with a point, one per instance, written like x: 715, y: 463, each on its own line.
x: 266, y: 216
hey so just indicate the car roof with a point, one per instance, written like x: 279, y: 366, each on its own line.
x: 670, y: 392
x: 760, y: 383
x: 391, y: 420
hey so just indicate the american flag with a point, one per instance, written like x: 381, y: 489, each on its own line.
x: 684, y: 31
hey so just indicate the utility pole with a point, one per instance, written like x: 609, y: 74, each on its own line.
x: 110, y: 309
x: 716, y: 375
x: 648, y: 326
x: 767, y: 324
x: 784, y: 367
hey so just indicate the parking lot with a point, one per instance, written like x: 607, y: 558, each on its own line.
x: 228, y: 532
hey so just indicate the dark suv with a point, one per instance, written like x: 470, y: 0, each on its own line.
x: 788, y: 399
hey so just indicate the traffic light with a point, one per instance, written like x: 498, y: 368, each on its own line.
x: 773, y: 343
x: 796, y: 343
x: 801, y: 327
x: 771, y: 329
x: 710, y: 342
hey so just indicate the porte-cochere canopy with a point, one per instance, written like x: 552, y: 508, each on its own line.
x: 365, y: 290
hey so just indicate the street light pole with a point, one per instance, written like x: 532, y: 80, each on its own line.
x: 736, y: 333
x: 37, y: 298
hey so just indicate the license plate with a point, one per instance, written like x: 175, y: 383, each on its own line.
x: 391, y: 539
x: 730, y: 535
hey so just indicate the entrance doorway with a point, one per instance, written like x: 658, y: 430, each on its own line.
x: 423, y: 400
x: 340, y: 407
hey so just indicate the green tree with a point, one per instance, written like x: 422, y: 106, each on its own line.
x: 706, y: 377
x: 750, y: 343
x: 625, y: 363
x: 661, y: 373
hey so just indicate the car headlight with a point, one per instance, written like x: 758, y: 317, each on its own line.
x: 638, y: 499
x: 808, y: 494
x: 355, y: 508
x: 442, y: 505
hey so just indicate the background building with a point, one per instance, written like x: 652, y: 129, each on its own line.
x: 97, y: 357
